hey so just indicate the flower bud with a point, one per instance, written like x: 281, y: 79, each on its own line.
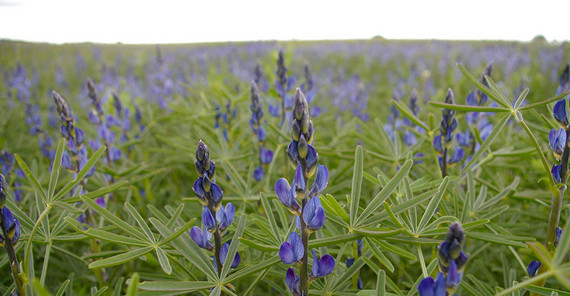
x: 302, y: 147
x: 295, y: 130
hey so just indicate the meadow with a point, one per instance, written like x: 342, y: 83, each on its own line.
x: 372, y: 167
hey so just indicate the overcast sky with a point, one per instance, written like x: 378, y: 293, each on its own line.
x: 169, y: 21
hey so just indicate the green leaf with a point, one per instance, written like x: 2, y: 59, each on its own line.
x: 132, y: 289
x: 333, y: 240
x: 546, y: 291
x: 337, y: 208
x: 496, y: 239
x: 409, y: 114
x: 163, y: 260
x: 378, y: 254
x: 468, y: 108
x: 105, y: 235
x: 178, y: 232
x: 54, y: 176
x: 379, y: 199
x: 31, y: 177
x: 140, y: 221
x: 276, y: 234
x: 112, y: 218
x: 356, y: 184
x: 381, y: 283
x: 487, y: 142
x: 233, y: 246
x: 67, y: 207
x: 547, y: 101
x: 433, y: 203
x: 121, y: 258
x: 259, y: 246
x: 482, y: 87
x: 62, y: 288
x: 182, y: 286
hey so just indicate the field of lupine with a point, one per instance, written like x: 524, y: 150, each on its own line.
x: 374, y: 167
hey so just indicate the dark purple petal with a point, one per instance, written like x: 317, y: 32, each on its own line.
x: 299, y: 180
x: 196, y: 235
x: 437, y: 144
x: 533, y: 267
x: 440, y: 288
x: 282, y: 189
x: 290, y: 278
x: 560, y: 113
x: 427, y: 287
x: 286, y: 253
x: 297, y: 244
x: 216, y: 193
x: 208, y: 219
x: 457, y: 156
x: 326, y: 265
x: 321, y: 181
x: 16, y: 235
x: 453, y: 277
x: 258, y: 173
x: 318, y: 220
x: 230, y: 212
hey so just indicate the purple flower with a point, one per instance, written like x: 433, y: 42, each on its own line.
x: 314, y: 214
x: 437, y: 145
x: 558, y: 235
x: 208, y: 219
x: 293, y: 282
x: 258, y: 173
x: 323, y: 266
x: 557, y: 141
x: 225, y: 216
x: 429, y: 287
x: 224, y: 254
x: 291, y: 251
x: 410, y: 138
x: 457, y: 156
x: 560, y: 113
x: 533, y: 267
x: 265, y: 155
x: 201, y: 237
x: 464, y: 139
x: 321, y: 181
x: 287, y: 196
x: 556, y: 170
x: 11, y: 225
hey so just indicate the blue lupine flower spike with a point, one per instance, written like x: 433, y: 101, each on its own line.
x: 3, y: 190
x: 560, y: 113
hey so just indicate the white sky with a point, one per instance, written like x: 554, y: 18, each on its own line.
x: 170, y: 21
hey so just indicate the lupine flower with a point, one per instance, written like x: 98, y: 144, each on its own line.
x: 225, y: 216
x: 224, y: 253
x: 265, y: 155
x: 208, y: 219
x: 563, y: 80
x: 292, y: 251
x: 452, y: 262
x: 533, y: 267
x: 293, y: 282
x: 429, y: 287
x: 555, y: 171
x: 442, y: 142
x: 259, y: 78
x: 557, y: 141
x: 560, y: 113
x: 74, y: 136
x: 283, y: 84
x: 11, y: 225
x: 207, y: 191
x: 287, y: 195
x: 303, y: 157
x: 202, y: 237
x: 323, y: 266
x: 313, y: 214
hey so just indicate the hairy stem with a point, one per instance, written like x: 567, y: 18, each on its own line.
x: 14, y: 265
x: 304, y: 273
